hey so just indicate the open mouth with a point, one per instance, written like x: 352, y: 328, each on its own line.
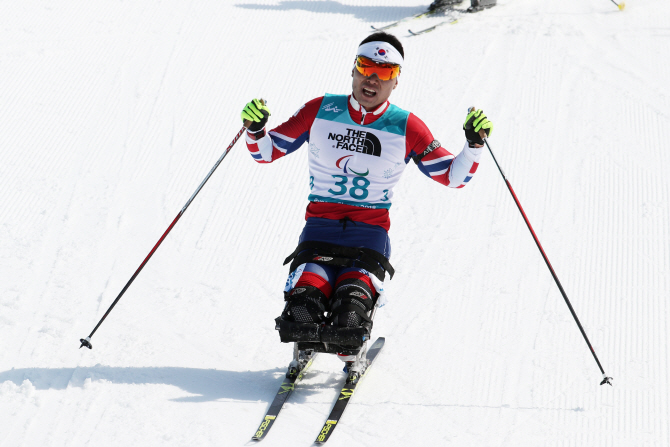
x: 369, y: 93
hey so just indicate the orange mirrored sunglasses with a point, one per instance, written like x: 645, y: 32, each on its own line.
x: 368, y: 67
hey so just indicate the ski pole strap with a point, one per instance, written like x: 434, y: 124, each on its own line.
x: 341, y: 256
x: 430, y: 148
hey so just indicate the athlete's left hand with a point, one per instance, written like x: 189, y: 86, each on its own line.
x: 474, y: 122
x: 255, y: 113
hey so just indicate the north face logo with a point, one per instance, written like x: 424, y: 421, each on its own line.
x: 358, y: 141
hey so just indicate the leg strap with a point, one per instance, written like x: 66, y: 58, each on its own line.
x: 341, y: 256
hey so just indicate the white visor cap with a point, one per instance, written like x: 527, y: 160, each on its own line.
x: 381, y: 52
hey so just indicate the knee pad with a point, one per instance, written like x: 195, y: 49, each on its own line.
x: 353, y: 302
x: 305, y: 304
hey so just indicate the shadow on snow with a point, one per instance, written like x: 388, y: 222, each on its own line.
x: 204, y: 384
x: 367, y: 13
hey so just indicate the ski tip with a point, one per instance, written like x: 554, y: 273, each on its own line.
x: 379, y: 341
x: 264, y: 427
x: 325, y: 431
x: 377, y: 344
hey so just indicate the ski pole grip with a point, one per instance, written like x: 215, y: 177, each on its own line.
x: 482, y: 132
x: 247, y: 123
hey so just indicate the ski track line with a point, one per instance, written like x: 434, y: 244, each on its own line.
x: 632, y: 290
x: 169, y: 59
x: 69, y: 206
x: 45, y: 170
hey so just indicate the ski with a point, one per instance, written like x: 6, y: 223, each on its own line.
x: 450, y: 21
x: 293, y: 376
x: 347, y: 391
x: 407, y: 19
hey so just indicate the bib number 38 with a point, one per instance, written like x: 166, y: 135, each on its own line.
x: 358, y: 191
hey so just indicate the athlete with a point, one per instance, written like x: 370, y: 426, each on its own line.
x: 358, y: 147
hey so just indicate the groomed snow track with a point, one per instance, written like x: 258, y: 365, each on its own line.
x: 112, y: 113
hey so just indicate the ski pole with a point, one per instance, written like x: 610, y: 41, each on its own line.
x: 606, y: 379
x: 621, y: 5
x: 87, y: 341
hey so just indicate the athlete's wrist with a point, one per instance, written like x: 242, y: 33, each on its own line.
x: 256, y: 135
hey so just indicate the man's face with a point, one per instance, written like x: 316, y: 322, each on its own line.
x: 371, y: 91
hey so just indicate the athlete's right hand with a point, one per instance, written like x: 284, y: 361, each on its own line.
x: 475, y: 122
x: 257, y: 113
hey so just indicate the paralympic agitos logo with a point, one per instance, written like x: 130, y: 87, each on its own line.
x: 357, y: 141
x: 346, y: 165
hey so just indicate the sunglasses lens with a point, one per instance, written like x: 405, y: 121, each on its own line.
x: 368, y: 67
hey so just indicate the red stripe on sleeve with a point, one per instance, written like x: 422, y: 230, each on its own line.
x: 417, y: 135
x: 301, y: 121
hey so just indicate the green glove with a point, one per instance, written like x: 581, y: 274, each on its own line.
x: 257, y: 113
x: 474, y: 122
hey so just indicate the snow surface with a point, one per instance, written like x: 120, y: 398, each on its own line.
x: 114, y: 111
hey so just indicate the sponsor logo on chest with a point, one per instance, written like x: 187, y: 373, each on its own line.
x: 353, y: 140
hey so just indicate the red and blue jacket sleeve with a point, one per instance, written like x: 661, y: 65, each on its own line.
x: 285, y: 138
x: 437, y: 162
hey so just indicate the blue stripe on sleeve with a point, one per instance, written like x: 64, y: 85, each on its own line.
x: 423, y: 169
x: 441, y: 166
x: 288, y: 146
x: 298, y: 142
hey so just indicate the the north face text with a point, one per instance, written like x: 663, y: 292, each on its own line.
x: 358, y: 141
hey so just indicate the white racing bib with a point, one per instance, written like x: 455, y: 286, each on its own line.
x: 354, y: 164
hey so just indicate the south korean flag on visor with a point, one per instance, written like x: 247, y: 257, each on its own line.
x: 382, y: 52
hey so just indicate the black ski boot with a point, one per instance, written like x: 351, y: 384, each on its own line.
x: 303, y: 315
x: 350, y: 316
x: 441, y: 4
x: 478, y: 5
x: 305, y: 305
